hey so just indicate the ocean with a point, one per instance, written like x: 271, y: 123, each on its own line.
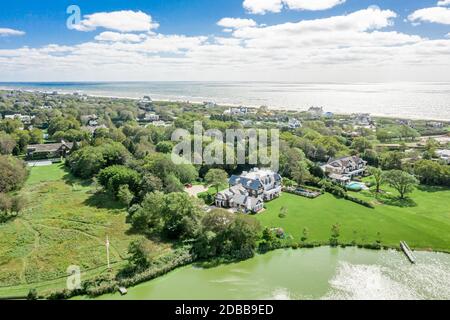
x: 400, y: 99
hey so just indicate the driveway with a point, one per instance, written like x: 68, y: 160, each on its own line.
x: 195, y: 190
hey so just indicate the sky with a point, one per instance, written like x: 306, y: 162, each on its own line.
x: 225, y: 40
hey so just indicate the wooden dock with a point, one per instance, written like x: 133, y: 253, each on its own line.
x: 407, y: 251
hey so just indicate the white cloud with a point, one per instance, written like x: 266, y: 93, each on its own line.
x: 443, y: 3
x: 368, y: 19
x: 6, y: 32
x: 264, y: 6
x: 123, y: 21
x: 351, y: 47
x: 435, y: 15
x: 236, y: 23
x: 120, y: 37
x: 312, y: 5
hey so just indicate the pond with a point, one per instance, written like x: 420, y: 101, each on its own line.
x: 319, y: 273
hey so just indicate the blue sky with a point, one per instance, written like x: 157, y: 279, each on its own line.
x: 188, y: 31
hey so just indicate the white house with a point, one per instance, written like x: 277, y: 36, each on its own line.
x: 344, y: 169
x: 25, y: 119
x: 294, y: 123
x: 362, y: 119
x: 315, y: 112
x: 444, y: 155
x: 150, y: 116
x: 435, y: 124
x: 239, y: 111
x: 248, y: 191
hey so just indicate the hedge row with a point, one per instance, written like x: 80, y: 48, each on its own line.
x: 102, y: 285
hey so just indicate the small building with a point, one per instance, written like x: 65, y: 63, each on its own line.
x: 444, y: 155
x: 49, y: 151
x: 347, y: 167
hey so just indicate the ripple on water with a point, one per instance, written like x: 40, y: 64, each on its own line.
x: 392, y: 279
x: 364, y: 282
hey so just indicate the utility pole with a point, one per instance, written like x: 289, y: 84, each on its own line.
x: 107, y: 252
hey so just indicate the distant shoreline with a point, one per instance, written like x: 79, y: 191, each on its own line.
x: 199, y: 101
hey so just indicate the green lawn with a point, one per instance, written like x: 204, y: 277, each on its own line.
x: 424, y: 221
x: 54, y: 172
x: 64, y: 224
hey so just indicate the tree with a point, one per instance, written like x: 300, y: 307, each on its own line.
x: 10, y: 125
x: 181, y: 216
x: 361, y: 144
x: 124, y: 195
x: 36, y: 136
x: 283, y: 212
x: 113, y: 177
x: 305, y: 234
x: 432, y: 173
x: 300, y: 172
x: 335, y: 233
x: 147, y: 217
x: 174, y: 215
x: 172, y: 184
x: 164, y: 147
x: 89, y: 160
x: 401, y: 181
x: 378, y: 176
x: 86, y: 161
x: 138, y: 255
x: 32, y: 294
x: 7, y: 143
x: 216, y: 178
x: 62, y: 124
x: 392, y: 160
x: 13, y: 173
x: 22, y: 139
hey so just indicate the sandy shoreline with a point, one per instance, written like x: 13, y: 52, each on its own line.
x: 180, y: 100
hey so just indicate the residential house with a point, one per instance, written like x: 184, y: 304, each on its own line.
x: 49, y: 151
x: 25, y: 119
x: 238, y: 111
x: 146, y: 103
x: 315, y: 112
x: 209, y: 104
x: 362, y: 119
x: 435, y: 124
x: 444, y: 155
x: 150, y: 117
x: 344, y: 169
x: 92, y: 129
x: 248, y: 191
x: 89, y: 119
x: 294, y: 123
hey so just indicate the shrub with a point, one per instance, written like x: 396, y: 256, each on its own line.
x: 13, y: 173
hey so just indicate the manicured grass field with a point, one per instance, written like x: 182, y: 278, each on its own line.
x: 64, y: 224
x: 423, y: 221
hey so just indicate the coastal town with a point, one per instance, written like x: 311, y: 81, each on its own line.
x: 91, y: 168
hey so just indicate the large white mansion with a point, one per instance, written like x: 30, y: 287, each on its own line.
x: 248, y: 191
